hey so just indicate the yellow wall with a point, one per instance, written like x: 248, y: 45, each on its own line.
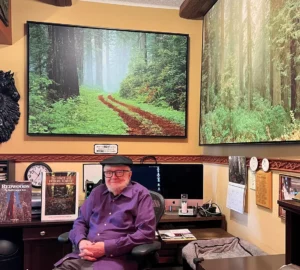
x: 99, y: 15
x: 262, y: 227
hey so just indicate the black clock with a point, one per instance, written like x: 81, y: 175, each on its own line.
x: 35, y: 171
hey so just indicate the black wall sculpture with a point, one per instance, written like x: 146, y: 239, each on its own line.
x: 9, y: 107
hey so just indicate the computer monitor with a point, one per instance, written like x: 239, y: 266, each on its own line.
x: 147, y: 175
x: 172, y: 180
x: 177, y: 179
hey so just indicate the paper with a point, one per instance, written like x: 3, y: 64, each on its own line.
x: 91, y: 172
x: 236, y: 197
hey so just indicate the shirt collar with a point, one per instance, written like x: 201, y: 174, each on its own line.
x: 127, y: 192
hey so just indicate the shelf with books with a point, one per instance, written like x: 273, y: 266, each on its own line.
x: 7, y: 170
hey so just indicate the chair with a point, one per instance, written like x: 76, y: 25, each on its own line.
x: 10, y: 255
x: 146, y: 255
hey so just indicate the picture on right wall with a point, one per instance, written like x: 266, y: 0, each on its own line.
x: 250, y: 89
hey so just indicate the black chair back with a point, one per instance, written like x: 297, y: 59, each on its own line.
x: 158, y: 204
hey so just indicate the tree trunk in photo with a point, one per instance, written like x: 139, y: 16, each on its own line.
x: 79, y: 52
x: 222, y: 41
x: 63, y: 70
x: 143, y: 45
x: 241, y: 52
x: 294, y: 97
x: 249, y: 54
x: 98, y: 59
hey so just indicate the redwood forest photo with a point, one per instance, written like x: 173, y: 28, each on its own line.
x: 106, y: 82
x: 250, y: 77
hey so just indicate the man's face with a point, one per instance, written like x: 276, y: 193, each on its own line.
x: 120, y: 177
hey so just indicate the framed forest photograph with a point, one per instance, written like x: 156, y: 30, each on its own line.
x: 250, y: 89
x: 106, y: 82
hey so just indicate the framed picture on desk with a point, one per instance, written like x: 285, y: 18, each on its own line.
x: 289, y: 186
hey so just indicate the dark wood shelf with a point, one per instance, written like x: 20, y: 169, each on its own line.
x: 292, y: 232
x: 195, y: 9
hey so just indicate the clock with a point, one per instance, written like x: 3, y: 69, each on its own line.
x: 34, y: 172
x: 253, y: 164
x: 265, y: 164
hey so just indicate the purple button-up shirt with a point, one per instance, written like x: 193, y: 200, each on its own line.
x: 121, y: 222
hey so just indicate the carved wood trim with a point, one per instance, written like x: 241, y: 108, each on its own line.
x: 275, y: 164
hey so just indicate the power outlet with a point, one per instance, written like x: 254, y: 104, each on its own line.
x: 252, y: 180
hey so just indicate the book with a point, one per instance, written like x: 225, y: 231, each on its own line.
x: 176, y: 235
x: 59, y: 196
x: 15, y: 201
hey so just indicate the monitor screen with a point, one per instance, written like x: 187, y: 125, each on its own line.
x: 177, y: 179
x: 172, y: 180
x: 147, y: 175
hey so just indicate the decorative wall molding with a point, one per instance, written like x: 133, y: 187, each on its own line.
x: 275, y: 164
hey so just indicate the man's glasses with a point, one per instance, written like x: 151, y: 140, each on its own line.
x: 117, y: 173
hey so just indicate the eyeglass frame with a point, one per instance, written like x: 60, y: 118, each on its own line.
x: 115, y: 173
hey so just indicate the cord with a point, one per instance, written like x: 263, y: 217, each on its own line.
x: 206, y: 212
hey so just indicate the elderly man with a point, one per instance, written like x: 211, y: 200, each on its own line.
x: 115, y: 218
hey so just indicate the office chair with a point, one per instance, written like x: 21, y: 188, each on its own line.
x: 10, y: 255
x: 146, y: 255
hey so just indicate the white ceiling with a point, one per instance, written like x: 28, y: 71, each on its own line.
x: 168, y: 4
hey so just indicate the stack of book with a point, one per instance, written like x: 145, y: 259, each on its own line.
x: 3, y: 173
x: 176, y: 235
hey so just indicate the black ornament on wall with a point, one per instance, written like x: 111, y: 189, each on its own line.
x: 9, y: 107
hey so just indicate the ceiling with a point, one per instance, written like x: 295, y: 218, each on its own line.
x: 168, y: 4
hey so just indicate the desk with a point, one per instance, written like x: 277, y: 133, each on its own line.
x: 201, y: 227
x: 268, y: 262
x: 42, y: 249
x: 39, y: 243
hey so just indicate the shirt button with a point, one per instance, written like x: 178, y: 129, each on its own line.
x: 105, y: 224
x: 113, y: 200
x: 109, y: 213
x: 98, y: 234
x: 111, y: 255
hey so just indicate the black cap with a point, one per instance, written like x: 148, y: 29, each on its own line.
x: 117, y: 160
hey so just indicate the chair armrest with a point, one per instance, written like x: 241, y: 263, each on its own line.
x: 64, y: 237
x: 145, y: 249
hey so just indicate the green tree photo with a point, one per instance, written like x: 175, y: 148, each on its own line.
x: 89, y: 81
x: 251, y: 72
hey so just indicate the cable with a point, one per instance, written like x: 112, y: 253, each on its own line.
x: 208, y: 211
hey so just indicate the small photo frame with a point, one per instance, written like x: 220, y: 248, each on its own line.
x: 289, y: 186
x: 92, y: 173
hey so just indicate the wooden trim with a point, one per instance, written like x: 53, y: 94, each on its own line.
x: 275, y: 164
x: 195, y: 9
x: 63, y: 3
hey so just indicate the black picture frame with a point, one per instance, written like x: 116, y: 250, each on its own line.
x: 85, y: 81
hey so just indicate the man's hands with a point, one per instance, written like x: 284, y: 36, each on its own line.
x: 91, y: 251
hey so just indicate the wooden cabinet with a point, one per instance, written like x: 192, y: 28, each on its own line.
x: 292, y: 231
x: 7, y: 170
x: 41, y: 248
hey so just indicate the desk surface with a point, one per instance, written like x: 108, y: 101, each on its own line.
x: 176, y: 218
x: 201, y: 234
x: 269, y: 262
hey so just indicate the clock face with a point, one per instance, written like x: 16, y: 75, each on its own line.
x: 34, y: 173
